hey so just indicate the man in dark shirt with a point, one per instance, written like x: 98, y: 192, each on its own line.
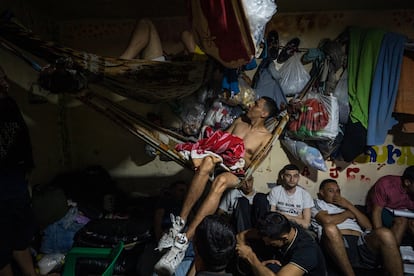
x: 290, y: 250
x: 16, y: 160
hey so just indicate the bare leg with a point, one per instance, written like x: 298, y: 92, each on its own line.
x: 399, y: 226
x: 383, y: 241
x: 6, y: 271
x: 210, y: 204
x: 188, y: 41
x: 197, y: 186
x: 25, y: 262
x: 411, y: 226
x: 333, y: 242
x: 144, y: 40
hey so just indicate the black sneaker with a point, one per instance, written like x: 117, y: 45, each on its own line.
x: 290, y: 48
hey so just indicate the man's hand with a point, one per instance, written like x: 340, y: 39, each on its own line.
x: 246, y: 252
x: 342, y: 202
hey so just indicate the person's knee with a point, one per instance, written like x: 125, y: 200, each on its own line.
x: 330, y: 231
x: 206, y: 166
x: 219, y: 185
x: 384, y: 235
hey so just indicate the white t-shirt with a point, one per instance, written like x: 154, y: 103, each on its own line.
x: 332, y: 209
x: 292, y: 205
x: 229, y: 201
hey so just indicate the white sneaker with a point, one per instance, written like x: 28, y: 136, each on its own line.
x: 167, y: 240
x: 170, y: 261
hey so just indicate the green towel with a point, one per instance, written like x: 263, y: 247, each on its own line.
x: 364, y: 47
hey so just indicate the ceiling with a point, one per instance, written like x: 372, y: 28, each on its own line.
x: 75, y: 9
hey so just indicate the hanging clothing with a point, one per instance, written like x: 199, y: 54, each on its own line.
x: 384, y: 88
x: 266, y: 83
x: 405, y: 95
x: 364, y: 47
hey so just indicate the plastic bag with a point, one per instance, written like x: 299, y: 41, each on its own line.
x: 310, y: 156
x: 315, y: 117
x: 50, y: 262
x: 245, y: 97
x: 258, y: 13
x: 341, y: 93
x: 293, y: 75
x: 221, y: 116
x: 192, y: 115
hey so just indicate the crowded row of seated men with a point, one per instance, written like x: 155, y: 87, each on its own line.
x: 286, y: 232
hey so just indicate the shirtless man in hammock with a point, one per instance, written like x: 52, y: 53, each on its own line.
x: 252, y: 130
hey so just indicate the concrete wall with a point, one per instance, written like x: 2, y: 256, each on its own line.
x: 74, y: 137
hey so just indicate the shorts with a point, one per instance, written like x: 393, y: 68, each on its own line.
x: 17, y: 227
x: 387, y: 218
x: 360, y: 256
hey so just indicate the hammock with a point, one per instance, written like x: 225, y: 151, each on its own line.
x: 141, y: 80
x: 163, y: 139
x: 157, y: 81
x: 116, y: 75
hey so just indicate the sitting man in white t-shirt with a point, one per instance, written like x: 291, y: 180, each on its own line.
x: 291, y: 200
x: 347, y: 237
x: 242, y: 205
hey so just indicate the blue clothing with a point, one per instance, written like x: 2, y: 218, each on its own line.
x: 384, y: 88
x: 266, y: 83
x: 58, y: 236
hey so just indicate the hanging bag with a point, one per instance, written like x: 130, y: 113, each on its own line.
x: 316, y: 117
x: 293, y: 76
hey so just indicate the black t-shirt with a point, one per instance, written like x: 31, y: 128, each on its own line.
x: 15, y: 146
x: 305, y: 253
x: 15, y: 151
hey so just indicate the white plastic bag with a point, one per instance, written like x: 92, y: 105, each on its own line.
x: 293, y: 75
x: 49, y: 262
x: 310, y: 156
x: 258, y: 13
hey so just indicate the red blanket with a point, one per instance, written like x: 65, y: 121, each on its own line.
x: 221, y: 30
x: 228, y: 148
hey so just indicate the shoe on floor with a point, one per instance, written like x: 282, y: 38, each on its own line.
x: 167, y: 240
x: 170, y: 261
x: 288, y: 50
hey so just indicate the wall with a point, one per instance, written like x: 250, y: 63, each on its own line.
x: 93, y: 139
